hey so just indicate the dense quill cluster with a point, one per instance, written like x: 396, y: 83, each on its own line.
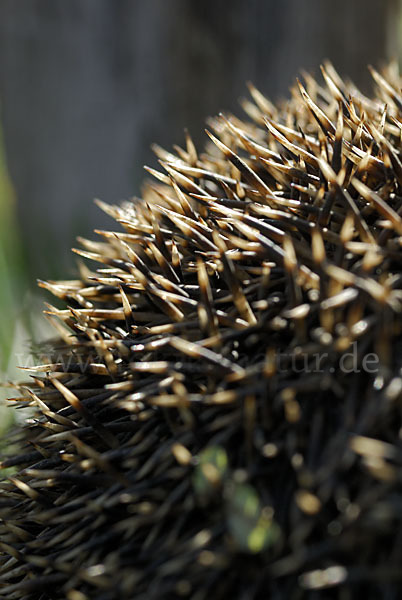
x: 221, y: 414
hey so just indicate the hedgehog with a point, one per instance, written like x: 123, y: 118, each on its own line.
x: 219, y: 413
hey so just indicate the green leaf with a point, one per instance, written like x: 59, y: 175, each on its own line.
x: 210, y: 471
x: 250, y: 525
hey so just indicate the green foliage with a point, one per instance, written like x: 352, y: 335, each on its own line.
x: 250, y: 524
x: 210, y: 471
x: 12, y: 275
x: 11, y: 263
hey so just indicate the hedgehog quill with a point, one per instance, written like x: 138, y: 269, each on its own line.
x: 220, y: 414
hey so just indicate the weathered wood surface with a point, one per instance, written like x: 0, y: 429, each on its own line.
x: 87, y: 85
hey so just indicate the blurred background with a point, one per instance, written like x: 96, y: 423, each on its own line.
x: 87, y: 85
